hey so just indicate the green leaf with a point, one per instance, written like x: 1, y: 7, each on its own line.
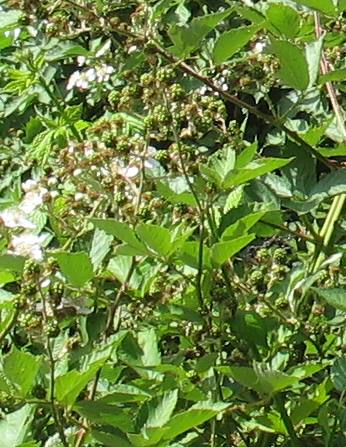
x: 15, y: 426
x: 331, y: 185
x: 105, y: 414
x: 231, y: 42
x: 261, y: 380
x: 76, y: 267
x: 65, y: 49
x: 100, y: 247
x: 189, y: 254
x: 147, y: 341
x: 109, y: 440
x: 338, y: 373
x: 155, y: 237
x: 334, y: 297
x: 294, y: 70
x: 250, y: 326
x: 176, y: 190
x: 313, y: 53
x: 325, y: 6
x: 191, y: 418
x: 12, y: 263
x: 335, y: 75
x: 9, y: 19
x: 222, y: 251
x: 123, y: 232
x: 283, y: 19
x: 253, y: 170
x: 70, y: 385
x: 21, y: 369
x: 246, y: 155
x: 242, y: 225
x: 186, y: 39
x: 120, y: 266
x: 122, y: 393
x: 160, y: 409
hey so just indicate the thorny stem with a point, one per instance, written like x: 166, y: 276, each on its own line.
x: 270, y: 119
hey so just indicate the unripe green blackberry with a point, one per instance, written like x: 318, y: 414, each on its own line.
x: 280, y: 255
x: 56, y: 291
x: 114, y: 98
x: 51, y: 328
x: 256, y: 277
x: 281, y: 302
x: 176, y: 91
x: 31, y: 268
x: 262, y: 254
x: 146, y: 79
x: 29, y: 288
x: 165, y: 74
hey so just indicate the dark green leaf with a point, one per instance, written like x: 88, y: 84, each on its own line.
x: 231, y: 42
x: 338, y: 373
x: 334, y: 297
x: 294, y: 70
x: 187, y: 38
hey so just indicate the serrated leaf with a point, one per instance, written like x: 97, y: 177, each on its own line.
x: 16, y: 425
x: 9, y: 19
x: 68, y: 386
x: 338, y: 373
x: 325, y: 6
x: 242, y: 225
x: 293, y: 70
x: 160, y: 410
x: 313, y: 53
x: 231, y: 42
x: 100, y: 247
x: 222, y: 251
x: 334, y: 297
x: 246, y: 155
x: 187, y: 38
x: 335, y: 75
x: 194, y: 416
x: 105, y: 414
x: 76, y: 267
x: 155, y: 237
x: 121, y: 231
x: 283, y: 19
x: 12, y: 263
x: 253, y: 170
x: 21, y: 369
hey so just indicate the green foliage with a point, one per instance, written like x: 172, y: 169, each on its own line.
x: 172, y: 247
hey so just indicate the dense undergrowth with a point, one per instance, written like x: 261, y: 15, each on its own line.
x: 172, y: 243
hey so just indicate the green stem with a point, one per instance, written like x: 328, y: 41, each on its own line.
x: 327, y: 230
x: 295, y: 442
